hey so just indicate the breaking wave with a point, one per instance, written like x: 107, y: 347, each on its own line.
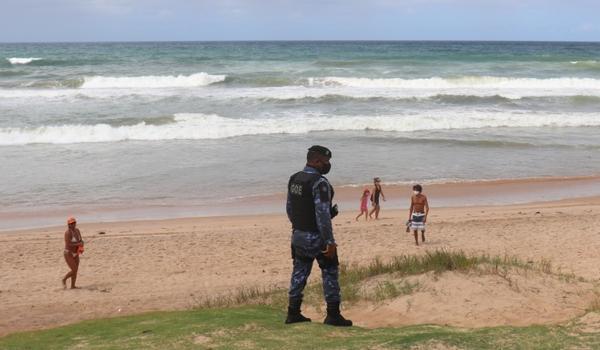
x: 196, y: 126
x: 152, y: 81
x: 22, y: 60
x: 484, y: 82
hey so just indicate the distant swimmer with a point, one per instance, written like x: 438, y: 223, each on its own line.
x: 377, y: 192
x: 364, y: 202
x: 417, y: 214
x: 310, y: 210
x: 73, y: 248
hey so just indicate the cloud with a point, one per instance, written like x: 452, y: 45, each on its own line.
x: 124, y: 9
x: 115, y: 7
x: 57, y: 20
x: 105, y: 7
x: 586, y: 27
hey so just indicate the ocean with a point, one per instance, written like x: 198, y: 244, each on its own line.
x: 85, y: 127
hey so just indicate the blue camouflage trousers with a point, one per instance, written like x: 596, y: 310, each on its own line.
x: 306, y: 247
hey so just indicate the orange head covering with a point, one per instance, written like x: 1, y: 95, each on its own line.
x: 71, y: 220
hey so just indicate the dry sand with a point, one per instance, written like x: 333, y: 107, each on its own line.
x: 517, y: 297
x: 173, y: 264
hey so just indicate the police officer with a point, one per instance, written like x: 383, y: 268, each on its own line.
x: 310, y: 211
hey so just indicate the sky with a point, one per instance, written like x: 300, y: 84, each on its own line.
x: 191, y: 20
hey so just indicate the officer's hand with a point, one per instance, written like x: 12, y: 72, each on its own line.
x: 334, y: 211
x: 329, y: 251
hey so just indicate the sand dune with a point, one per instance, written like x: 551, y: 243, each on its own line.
x: 478, y: 299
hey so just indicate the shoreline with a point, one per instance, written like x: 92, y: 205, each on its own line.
x: 451, y: 194
x: 387, y: 214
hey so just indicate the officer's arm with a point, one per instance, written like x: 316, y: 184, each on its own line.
x: 322, y: 197
x: 288, y: 203
x: 288, y: 207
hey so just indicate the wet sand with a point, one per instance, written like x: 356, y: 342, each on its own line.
x: 448, y: 194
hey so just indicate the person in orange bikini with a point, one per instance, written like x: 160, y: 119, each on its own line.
x: 73, y: 248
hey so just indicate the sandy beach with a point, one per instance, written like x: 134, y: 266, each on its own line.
x: 149, y: 265
x: 170, y: 130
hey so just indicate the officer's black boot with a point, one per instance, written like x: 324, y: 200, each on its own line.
x: 334, y: 317
x: 294, y: 315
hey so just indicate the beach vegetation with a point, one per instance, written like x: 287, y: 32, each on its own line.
x: 252, y: 317
x: 261, y: 327
x: 595, y: 303
x: 390, y: 278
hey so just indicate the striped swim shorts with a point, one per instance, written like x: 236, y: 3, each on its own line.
x: 417, y: 221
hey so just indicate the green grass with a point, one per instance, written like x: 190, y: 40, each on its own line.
x: 261, y: 327
x: 388, y: 290
x: 253, y: 318
x: 353, y: 277
x: 595, y: 304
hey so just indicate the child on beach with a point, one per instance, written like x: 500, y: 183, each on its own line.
x: 417, y: 214
x: 363, y: 204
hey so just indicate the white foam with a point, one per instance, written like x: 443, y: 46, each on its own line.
x: 588, y: 62
x: 185, y: 86
x: 483, y: 82
x: 152, y: 81
x: 193, y: 126
x: 22, y: 60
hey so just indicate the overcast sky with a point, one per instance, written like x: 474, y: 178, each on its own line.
x: 147, y: 20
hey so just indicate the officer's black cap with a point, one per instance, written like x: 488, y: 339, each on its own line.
x: 320, y: 150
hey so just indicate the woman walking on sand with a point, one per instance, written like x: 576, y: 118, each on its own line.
x: 363, y: 204
x: 73, y: 248
x: 377, y: 192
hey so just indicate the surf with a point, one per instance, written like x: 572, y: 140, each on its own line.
x: 22, y: 60
x: 152, y: 81
x: 199, y: 126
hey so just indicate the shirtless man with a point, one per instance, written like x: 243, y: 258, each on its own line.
x: 417, y: 214
x: 73, y: 247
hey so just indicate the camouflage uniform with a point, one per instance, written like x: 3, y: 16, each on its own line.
x: 308, y: 245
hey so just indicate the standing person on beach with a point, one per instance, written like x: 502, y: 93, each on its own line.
x: 377, y: 192
x: 417, y: 214
x: 73, y: 248
x: 364, y: 201
x: 309, y: 209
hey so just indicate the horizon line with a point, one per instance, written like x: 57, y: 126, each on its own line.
x: 300, y: 40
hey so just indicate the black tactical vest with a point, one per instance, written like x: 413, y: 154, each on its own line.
x: 300, y: 189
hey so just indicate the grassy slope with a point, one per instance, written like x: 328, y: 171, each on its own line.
x: 262, y: 327
x: 222, y: 324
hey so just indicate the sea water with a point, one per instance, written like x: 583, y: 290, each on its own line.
x: 195, y: 124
